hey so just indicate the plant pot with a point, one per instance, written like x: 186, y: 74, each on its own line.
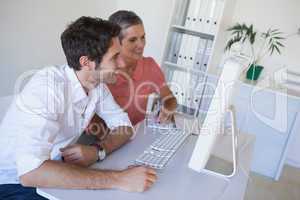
x: 253, y: 72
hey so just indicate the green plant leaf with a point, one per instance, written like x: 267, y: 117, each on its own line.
x: 243, y: 33
x: 279, y: 38
x: 270, y: 41
x: 264, y: 35
x: 252, y: 38
x: 244, y: 39
x: 277, y: 33
x: 280, y: 44
x: 231, y: 42
x: 271, y: 49
x: 277, y: 49
x: 268, y: 33
x: 235, y: 27
x: 274, y: 31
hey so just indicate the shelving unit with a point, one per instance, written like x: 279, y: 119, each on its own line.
x: 272, y: 116
x: 194, y: 47
x: 182, y: 29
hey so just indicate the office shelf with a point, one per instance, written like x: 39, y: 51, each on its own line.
x: 195, y: 45
x: 183, y: 29
x: 182, y: 68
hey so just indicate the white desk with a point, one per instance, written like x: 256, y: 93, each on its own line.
x: 273, y: 117
x: 177, y: 181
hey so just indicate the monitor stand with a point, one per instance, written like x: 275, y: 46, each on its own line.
x: 222, y: 161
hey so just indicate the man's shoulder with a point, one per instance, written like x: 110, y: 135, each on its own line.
x: 51, y: 73
x: 48, y: 82
x: 49, y: 76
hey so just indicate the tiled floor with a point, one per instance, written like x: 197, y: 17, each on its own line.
x: 287, y: 188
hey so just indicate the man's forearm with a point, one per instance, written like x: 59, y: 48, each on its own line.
x: 63, y: 175
x: 117, y: 138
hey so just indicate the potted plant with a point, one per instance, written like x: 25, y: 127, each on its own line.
x: 260, y: 43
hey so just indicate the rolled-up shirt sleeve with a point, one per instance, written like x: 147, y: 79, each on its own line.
x: 35, y: 145
x: 36, y: 128
x: 109, y: 110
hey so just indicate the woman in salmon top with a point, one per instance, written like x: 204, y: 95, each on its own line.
x: 141, y: 75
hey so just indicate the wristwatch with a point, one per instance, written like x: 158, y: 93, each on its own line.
x: 101, y: 151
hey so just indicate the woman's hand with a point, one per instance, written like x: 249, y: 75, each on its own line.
x: 165, y: 116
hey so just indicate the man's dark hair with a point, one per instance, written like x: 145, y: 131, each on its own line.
x: 89, y: 37
x: 125, y: 19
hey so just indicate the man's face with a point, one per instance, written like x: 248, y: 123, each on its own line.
x: 111, y: 60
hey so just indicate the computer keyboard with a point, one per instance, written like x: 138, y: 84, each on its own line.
x: 153, y: 123
x: 162, y: 149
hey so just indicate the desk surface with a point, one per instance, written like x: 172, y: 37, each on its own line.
x: 176, y: 181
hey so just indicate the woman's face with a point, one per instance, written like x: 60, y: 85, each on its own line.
x: 133, y: 42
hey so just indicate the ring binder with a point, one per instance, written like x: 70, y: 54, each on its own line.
x: 189, y: 51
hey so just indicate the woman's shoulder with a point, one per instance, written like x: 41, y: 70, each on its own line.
x: 149, y: 62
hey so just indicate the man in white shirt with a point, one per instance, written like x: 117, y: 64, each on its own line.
x: 47, y: 117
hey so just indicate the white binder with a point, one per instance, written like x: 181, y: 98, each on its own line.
x: 193, y: 50
x: 189, y: 15
x: 178, y: 86
x: 181, y: 50
x: 195, y: 92
x: 199, y: 54
x: 193, y: 12
x: 188, y: 51
x: 209, y: 16
x: 174, y: 86
x: 186, y: 39
x: 217, y: 14
x: 201, y: 15
x: 199, y: 45
x: 173, y: 54
x: 206, y: 55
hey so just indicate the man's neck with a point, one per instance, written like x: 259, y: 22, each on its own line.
x: 82, y: 77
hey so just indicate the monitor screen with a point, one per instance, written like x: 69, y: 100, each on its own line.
x: 211, y: 133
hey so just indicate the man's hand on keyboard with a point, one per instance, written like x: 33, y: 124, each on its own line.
x: 136, y: 179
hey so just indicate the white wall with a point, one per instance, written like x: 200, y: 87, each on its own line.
x: 282, y: 14
x: 285, y: 15
x: 30, y: 30
x: 30, y: 33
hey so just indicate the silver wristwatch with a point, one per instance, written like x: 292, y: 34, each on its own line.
x: 101, y: 151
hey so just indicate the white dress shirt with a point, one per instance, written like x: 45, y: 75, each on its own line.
x: 51, y: 112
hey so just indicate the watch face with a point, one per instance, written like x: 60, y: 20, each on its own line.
x: 102, y: 153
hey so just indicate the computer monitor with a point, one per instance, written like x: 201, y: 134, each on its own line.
x: 212, y: 132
